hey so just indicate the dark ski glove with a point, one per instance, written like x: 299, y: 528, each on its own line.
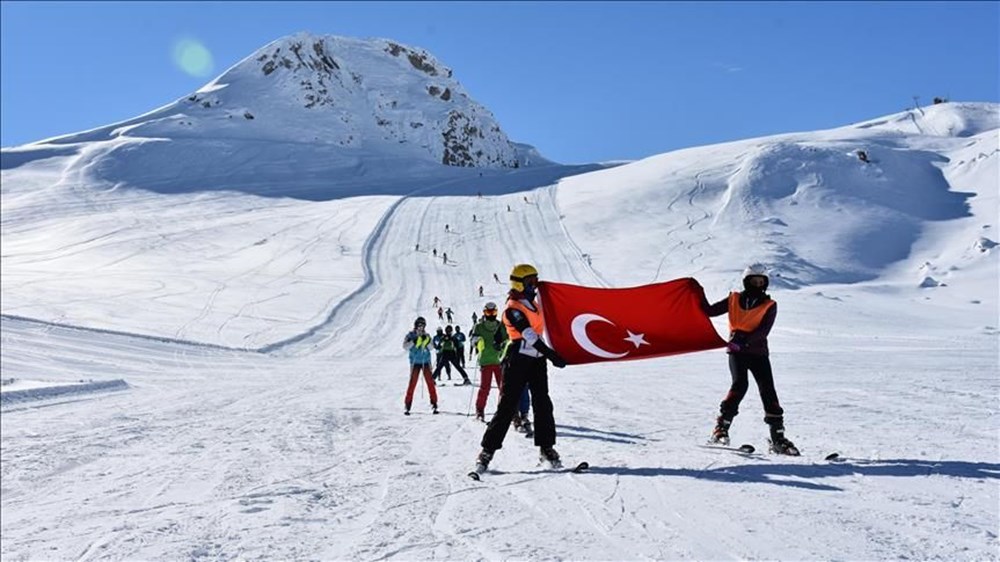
x: 550, y: 354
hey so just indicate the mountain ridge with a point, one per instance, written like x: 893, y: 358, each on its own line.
x: 375, y: 95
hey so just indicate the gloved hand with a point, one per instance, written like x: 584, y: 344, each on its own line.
x: 733, y: 347
x: 550, y: 354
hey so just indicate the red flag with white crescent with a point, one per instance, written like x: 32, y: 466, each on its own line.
x: 589, y: 324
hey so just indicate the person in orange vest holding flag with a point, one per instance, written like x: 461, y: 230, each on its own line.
x: 524, y: 365
x: 751, y: 316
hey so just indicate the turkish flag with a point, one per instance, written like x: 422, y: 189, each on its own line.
x: 589, y: 324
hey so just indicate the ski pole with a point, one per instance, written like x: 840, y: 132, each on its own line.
x: 472, y: 390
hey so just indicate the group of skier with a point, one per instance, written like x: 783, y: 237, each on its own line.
x: 514, y: 357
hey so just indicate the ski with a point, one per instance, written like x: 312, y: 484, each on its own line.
x: 748, y: 449
x: 745, y: 449
x: 578, y: 469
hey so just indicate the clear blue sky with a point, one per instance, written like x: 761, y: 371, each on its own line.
x: 582, y: 81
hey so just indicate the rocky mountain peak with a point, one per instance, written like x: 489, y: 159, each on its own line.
x: 359, y: 93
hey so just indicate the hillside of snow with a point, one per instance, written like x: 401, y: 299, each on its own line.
x: 806, y: 204
x: 244, y: 299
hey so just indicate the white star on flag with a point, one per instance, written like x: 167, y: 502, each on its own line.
x: 636, y: 339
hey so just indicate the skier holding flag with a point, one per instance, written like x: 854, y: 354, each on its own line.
x: 751, y: 315
x: 523, y: 365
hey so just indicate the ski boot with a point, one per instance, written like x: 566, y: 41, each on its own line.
x: 434, y: 408
x: 780, y: 445
x: 516, y: 420
x: 483, y: 460
x: 549, y: 456
x: 466, y: 382
x: 481, y: 416
x: 406, y: 412
x: 526, y: 427
x: 720, y: 435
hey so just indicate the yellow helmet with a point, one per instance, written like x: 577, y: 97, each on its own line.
x: 521, y: 272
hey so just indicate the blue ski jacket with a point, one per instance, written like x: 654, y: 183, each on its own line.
x: 419, y: 347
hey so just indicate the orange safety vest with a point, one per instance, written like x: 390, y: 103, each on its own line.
x: 745, y: 320
x: 534, y: 318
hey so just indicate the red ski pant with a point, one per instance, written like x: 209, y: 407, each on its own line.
x: 486, y: 375
x: 414, y: 375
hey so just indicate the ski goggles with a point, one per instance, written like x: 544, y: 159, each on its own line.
x: 757, y: 280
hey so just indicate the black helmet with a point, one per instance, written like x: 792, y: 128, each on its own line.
x: 419, y: 322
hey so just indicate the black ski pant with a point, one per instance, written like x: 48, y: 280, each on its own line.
x: 438, y: 362
x: 449, y: 356
x: 520, y: 371
x: 760, y: 366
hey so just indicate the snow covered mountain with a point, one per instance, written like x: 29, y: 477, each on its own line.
x: 239, y: 303
x: 920, y: 208
x: 310, y: 112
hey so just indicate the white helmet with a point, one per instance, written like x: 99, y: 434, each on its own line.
x: 755, y: 269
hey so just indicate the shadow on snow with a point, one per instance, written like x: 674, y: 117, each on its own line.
x: 780, y: 474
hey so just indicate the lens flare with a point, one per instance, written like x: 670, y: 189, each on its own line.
x: 193, y: 58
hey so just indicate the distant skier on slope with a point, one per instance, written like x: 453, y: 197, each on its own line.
x: 438, y: 342
x: 448, y: 356
x: 751, y: 316
x: 489, y: 337
x: 448, y: 312
x: 460, y: 345
x: 418, y: 343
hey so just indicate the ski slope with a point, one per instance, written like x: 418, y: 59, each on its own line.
x: 275, y: 431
